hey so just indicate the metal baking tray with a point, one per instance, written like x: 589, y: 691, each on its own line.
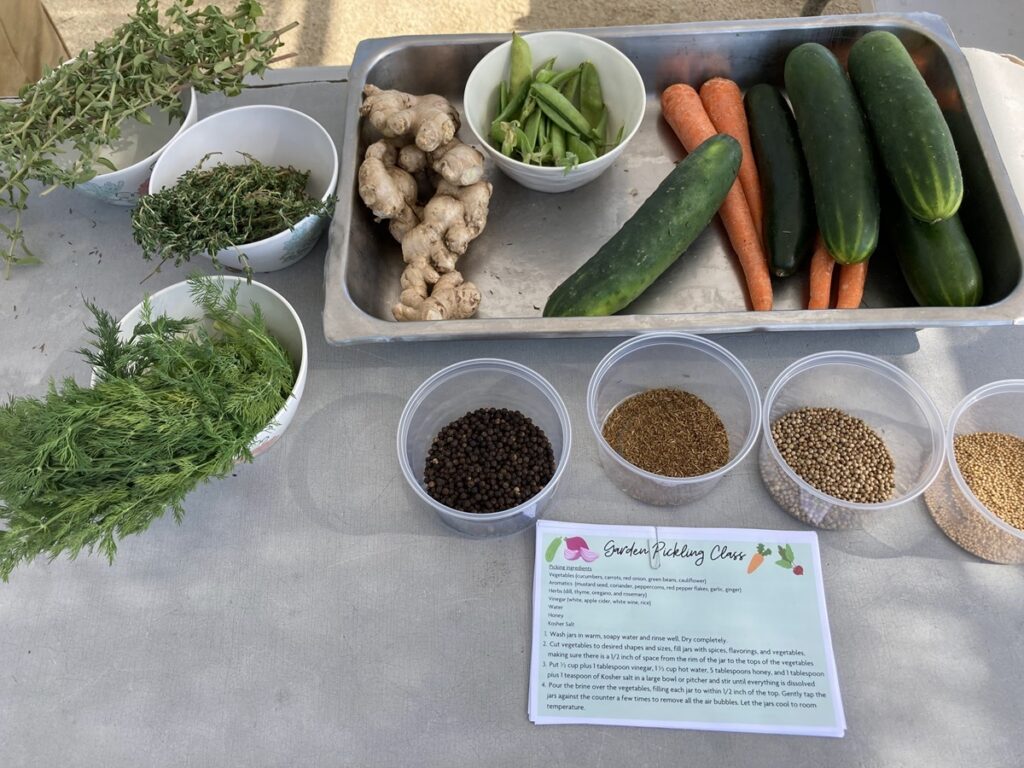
x: 534, y: 240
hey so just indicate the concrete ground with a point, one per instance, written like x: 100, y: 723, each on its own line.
x: 330, y: 29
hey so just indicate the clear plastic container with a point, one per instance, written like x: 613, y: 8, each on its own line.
x: 996, y: 407
x: 680, y: 361
x: 463, y: 387
x: 886, y: 398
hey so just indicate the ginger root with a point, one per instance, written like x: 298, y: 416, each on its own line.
x: 430, y: 120
x: 386, y: 188
x: 450, y: 299
x: 420, y: 138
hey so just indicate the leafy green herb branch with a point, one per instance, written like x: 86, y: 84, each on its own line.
x: 58, y: 131
x: 174, y: 406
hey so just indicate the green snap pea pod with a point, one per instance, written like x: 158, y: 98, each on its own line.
x: 528, y: 106
x: 502, y: 96
x: 619, y: 135
x: 523, y: 143
x: 508, y: 138
x: 591, y: 98
x: 561, y: 110
x: 511, y: 110
x: 570, y: 89
x: 558, y: 78
x: 601, y: 129
x: 544, y: 76
x: 545, y: 129
x: 548, y: 65
x: 520, y: 66
x: 557, y: 136
x: 532, y: 128
x: 584, y: 150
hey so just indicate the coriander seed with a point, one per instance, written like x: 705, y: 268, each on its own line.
x: 836, y: 453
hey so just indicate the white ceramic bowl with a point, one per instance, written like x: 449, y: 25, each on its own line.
x: 137, y: 151
x: 281, y: 320
x: 621, y: 85
x: 274, y: 136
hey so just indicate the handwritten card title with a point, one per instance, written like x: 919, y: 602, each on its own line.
x: 680, y: 550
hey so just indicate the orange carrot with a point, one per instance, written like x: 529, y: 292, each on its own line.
x: 723, y: 102
x: 851, y: 285
x: 684, y: 112
x: 757, y: 558
x: 822, y: 265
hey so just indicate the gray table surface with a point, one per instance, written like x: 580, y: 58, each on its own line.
x: 308, y: 611
x: 995, y: 25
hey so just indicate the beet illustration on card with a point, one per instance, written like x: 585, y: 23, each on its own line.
x: 786, y: 558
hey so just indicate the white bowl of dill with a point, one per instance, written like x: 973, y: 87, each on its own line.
x: 198, y: 377
x: 191, y: 299
x: 252, y: 188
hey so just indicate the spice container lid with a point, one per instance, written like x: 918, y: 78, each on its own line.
x: 995, y: 389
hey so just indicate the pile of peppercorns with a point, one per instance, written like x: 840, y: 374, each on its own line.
x: 489, y: 460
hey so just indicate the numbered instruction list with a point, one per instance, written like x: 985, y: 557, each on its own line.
x: 682, y: 628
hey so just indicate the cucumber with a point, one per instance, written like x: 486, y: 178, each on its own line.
x: 654, y: 237
x: 835, y: 142
x: 789, y: 223
x: 937, y: 260
x: 911, y: 135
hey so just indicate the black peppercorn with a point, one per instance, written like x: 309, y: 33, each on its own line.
x: 488, y: 460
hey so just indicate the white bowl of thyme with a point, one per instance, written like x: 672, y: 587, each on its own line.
x: 252, y: 188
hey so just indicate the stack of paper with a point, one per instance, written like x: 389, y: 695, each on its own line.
x: 682, y: 628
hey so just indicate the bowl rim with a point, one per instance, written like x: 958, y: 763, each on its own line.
x: 693, y: 341
x: 190, y: 114
x: 483, y: 363
x: 504, y: 47
x: 1003, y: 386
x: 885, y: 369
x: 215, y: 117
x: 301, y: 370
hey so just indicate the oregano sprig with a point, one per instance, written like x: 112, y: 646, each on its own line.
x: 58, y: 132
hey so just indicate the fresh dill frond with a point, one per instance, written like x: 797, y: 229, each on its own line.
x: 175, y: 405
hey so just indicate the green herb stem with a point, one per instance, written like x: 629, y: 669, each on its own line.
x: 173, y: 406
x: 78, y: 109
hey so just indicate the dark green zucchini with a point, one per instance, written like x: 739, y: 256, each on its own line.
x: 839, y: 159
x: 912, y: 137
x: 789, y: 223
x: 656, y: 235
x: 937, y: 260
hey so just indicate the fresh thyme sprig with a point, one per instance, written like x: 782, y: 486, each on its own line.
x: 58, y: 132
x: 211, y: 209
x: 174, y: 406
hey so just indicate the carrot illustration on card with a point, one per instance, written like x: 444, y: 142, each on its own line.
x: 758, y: 557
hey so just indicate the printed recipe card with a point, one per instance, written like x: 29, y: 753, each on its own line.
x: 717, y: 629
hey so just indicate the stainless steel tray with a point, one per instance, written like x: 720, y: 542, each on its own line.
x: 534, y: 240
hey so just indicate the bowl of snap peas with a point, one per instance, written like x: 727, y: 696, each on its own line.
x: 554, y: 110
